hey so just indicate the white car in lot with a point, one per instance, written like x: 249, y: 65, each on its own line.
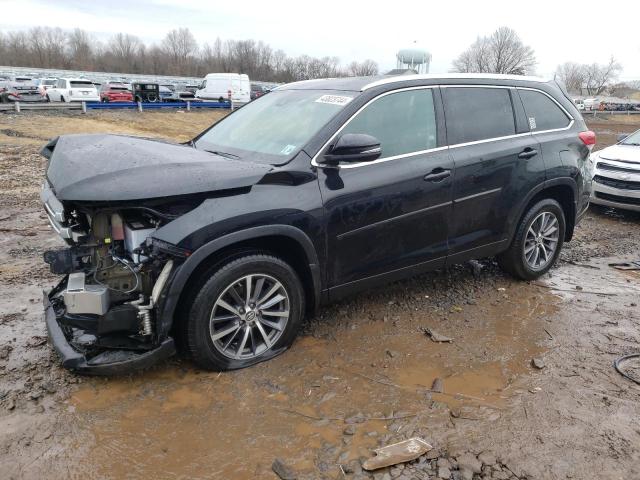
x: 73, y: 90
x: 616, y: 180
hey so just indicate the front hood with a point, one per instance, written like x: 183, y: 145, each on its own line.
x: 624, y: 153
x: 116, y: 168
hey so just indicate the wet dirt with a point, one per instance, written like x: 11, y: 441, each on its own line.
x: 358, y: 377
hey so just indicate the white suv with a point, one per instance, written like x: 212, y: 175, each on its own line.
x: 616, y: 182
x: 73, y: 90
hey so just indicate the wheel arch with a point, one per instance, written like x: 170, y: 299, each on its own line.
x: 283, y: 241
x: 563, y: 190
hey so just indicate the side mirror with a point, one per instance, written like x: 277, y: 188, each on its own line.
x: 353, y: 147
x: 622, y: 136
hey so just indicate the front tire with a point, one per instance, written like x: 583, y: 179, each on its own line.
x: 537, y: 242
x: 248, y: 311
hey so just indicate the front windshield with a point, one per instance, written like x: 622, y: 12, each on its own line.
x: 633, y: 139
x: 276, y: 126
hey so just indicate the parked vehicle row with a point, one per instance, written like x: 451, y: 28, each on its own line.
x: 591, y: 104
x: 220, y: 86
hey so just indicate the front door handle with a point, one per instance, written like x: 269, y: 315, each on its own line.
x: 528, y: 153
x: 437, y: 175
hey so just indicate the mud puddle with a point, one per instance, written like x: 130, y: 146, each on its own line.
x: 182, y: 423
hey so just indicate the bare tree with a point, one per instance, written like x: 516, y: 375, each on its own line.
x: 573, y: 75
x: 180, y: 46
x: 598, y: 77
x: 80, y: 48
x: 124, y: 49
x: 502, y: 52
x: 177, y: 54
x: 363, y: 69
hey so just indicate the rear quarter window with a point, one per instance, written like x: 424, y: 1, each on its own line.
x: 477, y: 113
x: 542, y: 112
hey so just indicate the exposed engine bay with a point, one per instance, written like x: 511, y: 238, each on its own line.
x: 131, y: 212
x: 114, y: 276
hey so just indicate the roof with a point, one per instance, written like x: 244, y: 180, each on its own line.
x: 360, y: 84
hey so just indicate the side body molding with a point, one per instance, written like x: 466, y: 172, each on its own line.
x: 183, y: 273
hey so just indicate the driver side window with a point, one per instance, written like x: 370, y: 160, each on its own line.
x: 403, y: 122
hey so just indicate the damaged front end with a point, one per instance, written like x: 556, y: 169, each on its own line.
x: 102, y: 317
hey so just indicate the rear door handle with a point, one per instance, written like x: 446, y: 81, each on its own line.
x: 437, y: 175
x: 528, y: 153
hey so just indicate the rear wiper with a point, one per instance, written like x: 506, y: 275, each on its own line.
x: 222, y: 154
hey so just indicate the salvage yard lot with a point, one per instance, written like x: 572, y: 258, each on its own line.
x: 360, y: 376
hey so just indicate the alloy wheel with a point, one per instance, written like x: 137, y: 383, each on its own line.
x: 249, y: 316
x: 541, y: 242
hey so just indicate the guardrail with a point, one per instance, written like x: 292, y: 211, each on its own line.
x: 604, y: 113
x: 84, y: 106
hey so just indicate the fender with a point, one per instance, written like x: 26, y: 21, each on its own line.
x: 184, y: 272
x: 518, y: 212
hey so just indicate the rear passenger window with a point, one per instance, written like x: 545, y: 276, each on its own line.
x: 542, y: 112
x: 477, y: 114
x: 404, y: 122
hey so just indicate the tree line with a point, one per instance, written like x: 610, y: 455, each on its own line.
x: 504, y: 52
x: 177, y: 54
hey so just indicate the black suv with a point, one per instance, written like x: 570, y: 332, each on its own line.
x: 317, y: 190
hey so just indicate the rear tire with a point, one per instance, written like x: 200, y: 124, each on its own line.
x: 228, y: 328
x: 537, y: 242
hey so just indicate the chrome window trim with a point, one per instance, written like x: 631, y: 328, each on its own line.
x: 571, y: 119
x: 446, y: 147
x: 394, y: 157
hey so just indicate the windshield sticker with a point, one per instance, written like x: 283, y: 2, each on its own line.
x: 334, y: 99
x: 288, y: 149
x: 532, y: 123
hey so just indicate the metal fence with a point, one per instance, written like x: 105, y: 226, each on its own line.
x: 605, y: 113
x: 140, y: 106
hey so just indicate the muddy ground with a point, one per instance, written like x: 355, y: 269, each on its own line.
x: 361, y: 375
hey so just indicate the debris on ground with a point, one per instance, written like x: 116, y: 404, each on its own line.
x: 437, y: 386
x: 625, y: 373
x: 396, y: 453
x: 626, y: 265
x: 537, y: 363
x: 435, y: 336
x: 36, y: 341
x: 282, y: 470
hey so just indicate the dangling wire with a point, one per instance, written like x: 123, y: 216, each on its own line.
x: 128, y: 266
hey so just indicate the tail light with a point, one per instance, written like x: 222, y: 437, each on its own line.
x: 588, y: 138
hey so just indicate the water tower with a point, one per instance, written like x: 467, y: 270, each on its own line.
x: 413, y: 58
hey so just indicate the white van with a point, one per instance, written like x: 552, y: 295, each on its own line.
x: 216, y: 87
x: 591, y: 103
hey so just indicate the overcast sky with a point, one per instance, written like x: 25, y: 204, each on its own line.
x: 557, y: 30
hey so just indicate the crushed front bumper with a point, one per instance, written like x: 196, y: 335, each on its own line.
x: 113, y: 362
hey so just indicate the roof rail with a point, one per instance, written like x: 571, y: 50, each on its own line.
x: 451, y: 76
